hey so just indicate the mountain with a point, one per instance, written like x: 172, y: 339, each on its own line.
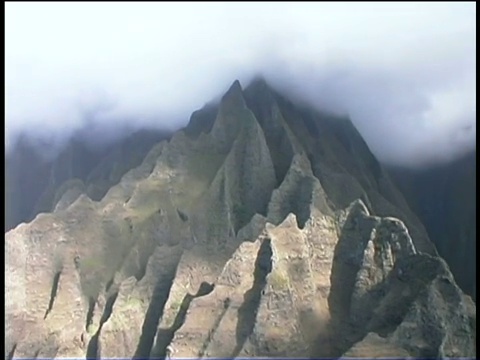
x: 35, y: 183
x: 444, y: 197
x: 262, y: 229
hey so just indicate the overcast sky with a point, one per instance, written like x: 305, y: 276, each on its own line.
x: 404, y: 72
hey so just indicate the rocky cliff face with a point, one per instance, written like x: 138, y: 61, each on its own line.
x: 267, y: 230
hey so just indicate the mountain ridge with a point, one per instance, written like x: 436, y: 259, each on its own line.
x: 296, y: 246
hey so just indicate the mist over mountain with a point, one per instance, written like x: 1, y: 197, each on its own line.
x: 263, y: 228
x: 404, y: 73
x: 444, y: 197
x: 322, y: 205
x: 35, y: 173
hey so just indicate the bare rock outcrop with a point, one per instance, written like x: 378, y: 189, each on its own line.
x: 216, y: 247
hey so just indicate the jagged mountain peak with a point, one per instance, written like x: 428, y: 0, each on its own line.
x: 233, y: 97
x: 245, y: 229
x: 258, y: 84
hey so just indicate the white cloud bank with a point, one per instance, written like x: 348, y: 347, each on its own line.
x: 405, y: 72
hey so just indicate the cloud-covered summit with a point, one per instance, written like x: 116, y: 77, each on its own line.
x: 404, y: 72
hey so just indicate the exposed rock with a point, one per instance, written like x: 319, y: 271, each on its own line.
x: 68, y: 193
x: 215, y: 246
x: 280, y: 139
x: 298, y: 192
x: 374, y: 346
x: 308, y: 287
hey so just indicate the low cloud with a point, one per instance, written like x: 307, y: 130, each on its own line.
x: 404, y: 72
